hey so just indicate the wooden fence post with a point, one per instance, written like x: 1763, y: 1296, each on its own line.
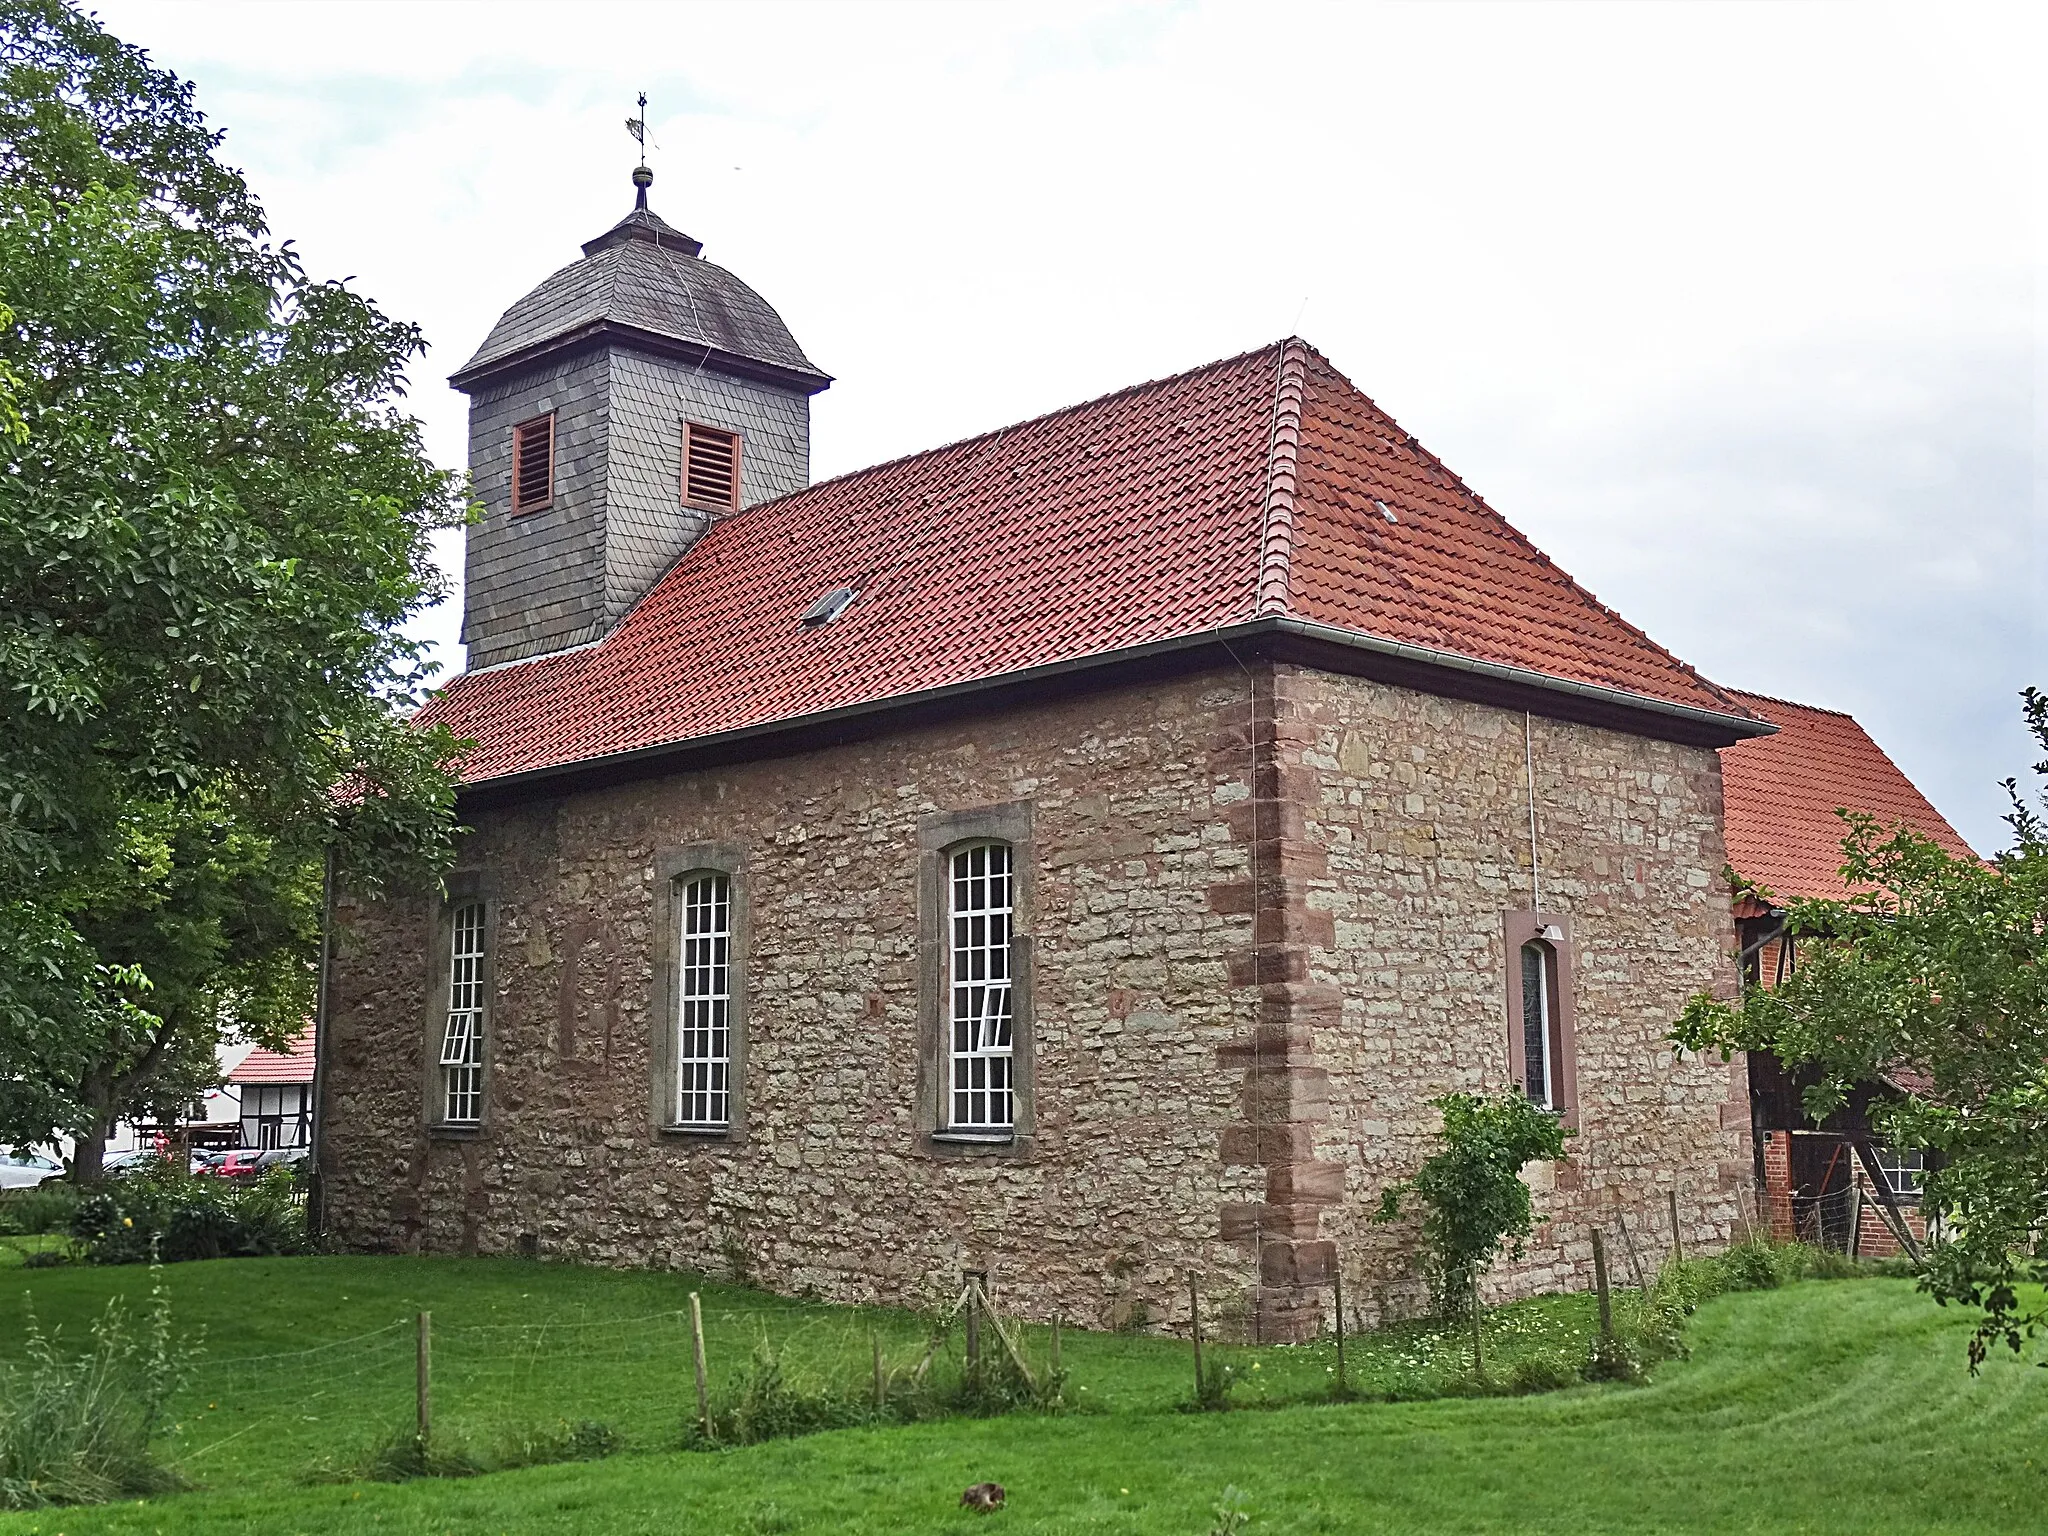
x: 1195, y: 1322
x: 1635, y: 1264
x: 1600, y: 1285
x: 697, y: 1351
x: 1677, y: 1243
x: 423, y: 1397
x: 1337, y: 1284
x: 1478, y: 1359
x: 973, y: 1289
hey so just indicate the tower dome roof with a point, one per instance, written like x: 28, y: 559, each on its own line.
x: 642, y: 282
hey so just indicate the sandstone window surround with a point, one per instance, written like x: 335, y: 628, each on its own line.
x: 703, y: 931
x: 975, y: 1046
x: 455, y: 1087
x: 1542, y: 1029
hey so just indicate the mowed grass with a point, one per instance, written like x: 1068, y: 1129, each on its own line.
x: 1826, y: 1407
x: 305, y: 1361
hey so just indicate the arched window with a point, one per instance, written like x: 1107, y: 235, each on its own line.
x: 980, y: 906
x: 1542, y: 1035
x: 1542, y: 1044
x: 462, y: 1038
x: 704, y: 1002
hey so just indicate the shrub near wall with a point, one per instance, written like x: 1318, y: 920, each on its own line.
x: 179, y: 1217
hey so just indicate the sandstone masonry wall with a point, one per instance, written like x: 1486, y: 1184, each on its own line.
x: 830, y: 1188
x: 1413, y: 839
x: 1266, y: 928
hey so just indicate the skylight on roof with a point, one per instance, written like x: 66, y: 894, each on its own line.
x: 1386, y: 511
x: 828, y: 607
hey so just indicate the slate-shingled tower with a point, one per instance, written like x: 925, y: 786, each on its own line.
x: 612, y: 359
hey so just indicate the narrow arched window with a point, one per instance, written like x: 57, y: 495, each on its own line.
x: 1542, y: 1047
x: 980, y: 909
x: 704, y: 1003
x: 462, y: 1038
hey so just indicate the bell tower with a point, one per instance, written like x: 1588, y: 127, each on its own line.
x: 614, y: 412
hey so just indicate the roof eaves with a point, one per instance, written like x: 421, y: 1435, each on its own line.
x: 1735, y: 727
x: 1283, y: 459
x: 1738, y: 726
x: 603, y: 331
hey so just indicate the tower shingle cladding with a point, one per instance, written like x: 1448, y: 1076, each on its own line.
x: 535, y: 582
x: 543, y: 581
x: 646, y: 524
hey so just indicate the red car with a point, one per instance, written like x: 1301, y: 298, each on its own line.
x: 238, y: 1164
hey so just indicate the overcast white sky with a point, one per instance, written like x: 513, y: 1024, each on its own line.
x: 1735, y: 310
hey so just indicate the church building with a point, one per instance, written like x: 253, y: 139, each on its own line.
x: 1078, y: 853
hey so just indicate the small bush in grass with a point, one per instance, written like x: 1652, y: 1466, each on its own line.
x: 1232, y: 1512
x: 584, y: 1440
x: 1213, y: 1389
x: 765, y: 1405
x: 1540, y: 1373
x: 163, y: 1210
x: 81, y: 1429
x: 49, y: 1207
x: 402, y: 1455
x: 1755, y: 1266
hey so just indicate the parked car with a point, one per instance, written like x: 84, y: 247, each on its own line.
x: 204, y: 1160
x: 132, y: 1161
x: 238, y: 1164
x: 25, y: 1170
x: 292, y: 1158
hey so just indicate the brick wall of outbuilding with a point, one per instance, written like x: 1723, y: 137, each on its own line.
x: 1203, y: 1101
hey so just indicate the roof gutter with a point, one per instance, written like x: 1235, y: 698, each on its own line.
x: 1428, y: 656
x: 726, y: 743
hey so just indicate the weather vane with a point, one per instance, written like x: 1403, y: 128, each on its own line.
x: 643, y: 178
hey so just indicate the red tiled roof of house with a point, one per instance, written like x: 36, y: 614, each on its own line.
x: 1782, y: 793
x: 292, y: 1066
x: 1263, y: 485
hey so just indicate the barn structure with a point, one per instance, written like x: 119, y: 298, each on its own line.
x: 1834, y: 1182
x: 1078, y: 853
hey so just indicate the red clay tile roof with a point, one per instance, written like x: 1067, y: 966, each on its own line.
x: 1782, y: 792
x: 294, y: 1066
x: 1250, y: 487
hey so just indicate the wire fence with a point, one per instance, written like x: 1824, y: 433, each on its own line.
x: 497, y: 1386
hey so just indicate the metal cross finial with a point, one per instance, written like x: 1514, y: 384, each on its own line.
x: 642, y: 176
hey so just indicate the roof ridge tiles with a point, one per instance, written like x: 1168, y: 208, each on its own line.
x: 1283, y: 458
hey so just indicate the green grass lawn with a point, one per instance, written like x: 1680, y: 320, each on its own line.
x: 15, y: 1248
x: 1839, y: 1406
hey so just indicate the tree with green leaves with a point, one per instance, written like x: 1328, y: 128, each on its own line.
x: 1939, y: 965
x: 214, y: 523
x: 1476, y: 1204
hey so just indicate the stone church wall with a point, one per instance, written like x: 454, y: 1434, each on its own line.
x: 1415, y: 838
x: 1205, y: 1098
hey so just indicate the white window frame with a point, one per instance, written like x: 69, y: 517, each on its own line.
x: 1891, y: 1162
x: 704, y: 1001
x: 462, y: 1036
x: 980, y: 885
x: 1544, y: 956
